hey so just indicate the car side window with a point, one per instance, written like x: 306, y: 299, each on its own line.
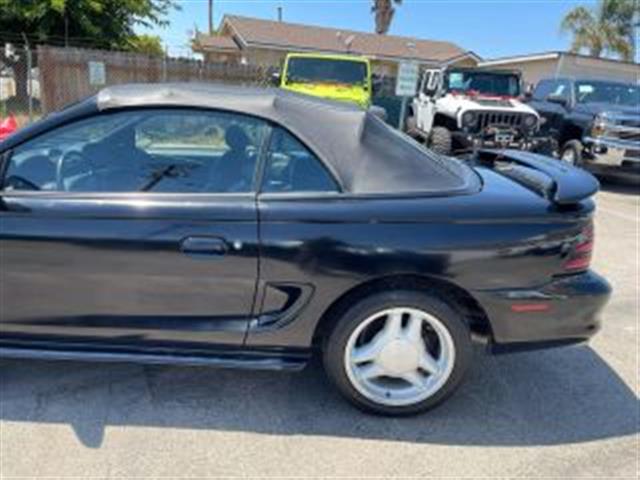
x: 561, y: 90
x: 153, y: 150
x: 543, y: 89
x: 292, y: 167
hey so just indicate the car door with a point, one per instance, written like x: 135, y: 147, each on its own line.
x: 298, y: 249
x: 134, y: 228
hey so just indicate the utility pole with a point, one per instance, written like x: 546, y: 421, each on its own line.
x: 279, y: 13
x: 210, y: 17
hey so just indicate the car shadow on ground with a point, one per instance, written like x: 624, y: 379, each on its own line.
x: 539, y: 398
x: 613, y: 186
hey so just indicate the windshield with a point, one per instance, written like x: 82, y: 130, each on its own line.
x: 500, y: 84
x: 326, y: 70
x: 607, y: 92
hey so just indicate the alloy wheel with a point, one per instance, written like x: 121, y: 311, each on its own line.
x: 399, y: 356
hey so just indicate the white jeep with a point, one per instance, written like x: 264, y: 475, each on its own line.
x: 458, y: 110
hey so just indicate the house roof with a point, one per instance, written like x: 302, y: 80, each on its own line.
x: 534, y: 57
x: 258, y: 33
x: 217, y: 42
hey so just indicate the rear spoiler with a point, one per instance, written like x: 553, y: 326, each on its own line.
x: 557, y: 181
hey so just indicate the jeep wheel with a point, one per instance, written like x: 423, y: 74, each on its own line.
x: 572, y: 153
x: 440, y: 140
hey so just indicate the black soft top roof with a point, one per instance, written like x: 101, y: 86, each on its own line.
x: 366, y: 155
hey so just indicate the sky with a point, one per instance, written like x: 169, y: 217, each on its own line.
x: 491, y: 28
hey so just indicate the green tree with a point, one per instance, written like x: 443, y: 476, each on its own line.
x: 607, y: 28
x: 148, y: 44
x: 384, y: 11
x: 105, y: 24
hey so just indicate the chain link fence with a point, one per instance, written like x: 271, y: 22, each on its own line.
x: 35, y: 82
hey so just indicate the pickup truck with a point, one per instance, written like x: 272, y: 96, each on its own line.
x: 596, y: 123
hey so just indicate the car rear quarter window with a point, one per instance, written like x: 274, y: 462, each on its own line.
x: 155, y: 150
x: 292, y: 167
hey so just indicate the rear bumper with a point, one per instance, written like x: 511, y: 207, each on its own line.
x: 566, y: 310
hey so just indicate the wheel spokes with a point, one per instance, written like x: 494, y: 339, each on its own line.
x: 392, y: 327
x: 413, y: 331
x: 367, y: 352
x: 372, y: 370
x: 415, y: 379
x: 370, y: 350
x: 428, y: 363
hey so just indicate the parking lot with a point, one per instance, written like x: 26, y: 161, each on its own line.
x: 559, y: 413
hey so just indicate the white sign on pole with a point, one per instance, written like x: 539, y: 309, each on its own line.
x: 97, y: 73
x: 407, y: 80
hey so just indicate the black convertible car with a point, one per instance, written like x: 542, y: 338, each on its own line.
x: 243, y: 228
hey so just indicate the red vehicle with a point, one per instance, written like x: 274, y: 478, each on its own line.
x: 7, y: 127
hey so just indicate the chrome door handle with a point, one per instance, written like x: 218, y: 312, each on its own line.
x: 199, y: 246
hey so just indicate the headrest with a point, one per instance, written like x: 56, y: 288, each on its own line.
x: 236, y: 138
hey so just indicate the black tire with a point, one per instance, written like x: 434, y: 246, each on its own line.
x: 336, y: 343
x: 572, y: 153
x: 440, y: 140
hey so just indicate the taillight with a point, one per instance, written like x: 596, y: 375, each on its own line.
x: 579, y: 258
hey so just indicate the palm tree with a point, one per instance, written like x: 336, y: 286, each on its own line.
x: 608, y: 28
x: 384, y: 10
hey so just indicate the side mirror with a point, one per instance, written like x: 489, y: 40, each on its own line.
x: 276, y: 78
x: 557, y: 99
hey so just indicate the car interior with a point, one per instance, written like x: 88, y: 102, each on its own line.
x: 136, y: 158
x: 119, y: 163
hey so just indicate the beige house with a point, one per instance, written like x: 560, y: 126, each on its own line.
x: 535, y: 67
x: 263, y: 42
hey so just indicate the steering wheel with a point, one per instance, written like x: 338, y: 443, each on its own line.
x: 72, y: 157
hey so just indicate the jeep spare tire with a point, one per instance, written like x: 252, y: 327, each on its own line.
x: 440, y: 140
